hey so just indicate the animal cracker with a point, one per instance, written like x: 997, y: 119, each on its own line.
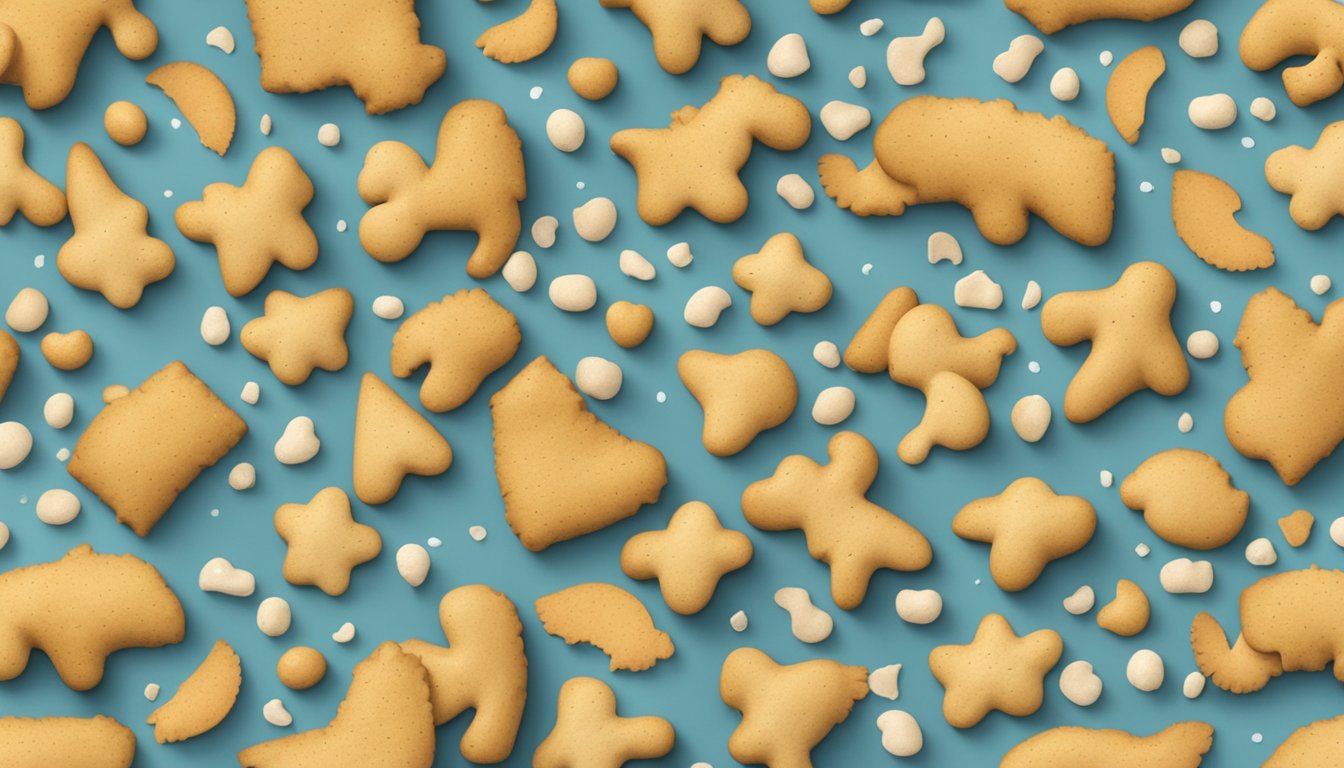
x: 1187, y: 498
x: 1050, y: 16
x: 95, y: 742
x: 524, y: 37
x: 868, y: 350
x: 677, y: 28
x: 589, y: 733
x: 23, y: 190
x: 607, y: 617
x: 781, y: 280
x: 688, y: 558
x: 1283, y: 29
x: 463, y: 338
x: 742, y: 395
x: 1027, y: 526
x: 392, y: 440
x: 1309, y: 175
x: 1182, y: 745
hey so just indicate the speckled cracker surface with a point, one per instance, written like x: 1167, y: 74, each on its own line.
x: 97, y: 742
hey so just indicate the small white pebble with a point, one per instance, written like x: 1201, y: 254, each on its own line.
x: 886, y: 682
x: 59, y: 410
x: 388, y: 307
x: 1031, y: 418
x: 1034, y: 366
x: 1193, y: 685
x: 1337, y: 531
x: 1145, y: 187
x: 566, y: 130
x: 40, y: 261
x: 788, y: 56
x: 796, y: 191
x: 738, y: 621
x: 573, y: 293
x: 598, y: 377
x: 434, y: 542
x: 1184, y: 576
x: 1065, y: 85
x: 1142, y: 550
x: 221, y: 38
x: 219, y: 575
x: 345, y: 634
x: 866, y: 269
x: 214, y: 513
x: 329, y: 135
x: 1263, y: 109
x: 274, y: 616
x: 1199, y: 39
x: 919, y: 606
x: 1185, y: 423
x: 1031, y: 296
x: 1248, y: 142
x: 168, y: 193
x: 680, y: 256
x: 63, y: 454
x: 661, y: 397
x: 275, y: 713
x: 1261, y: 552
x: 299, y: 442
x: 57, y: 507
x: 1215, y: 306
x: 833, y: 405
x: 705, y: 306
x: 243, y: 477
x: 943, y: 246
x: 1256, y: 738
x: 595, y: 219
x: 1107, y: 478
x: 476, y: 532
x: 1145, y: 670
x: 151, y: 691
x: 543, y: 231
x: 1170, y: 156
x: 520, y: 271
x: 28, y: 311
x: 808, y: 623
x: 265, y: 125
x: 413, y: 564
x: 826, y: 354
x: 1081, y: 601
x: 1202, y: 344
x: 1013, y: 64
x: 251, y: 393
x: 906, y: 55
x: 1320, y: 284
x: 341, y: 226
x: 870, y: 27
x: 1080, y: 684
x: 175, y: 123
x: 901, y: 735
x: 633, y: 264
x: 842, y: 120
x: 1105, y: 57
x: 1213, y: 112
x: 16, y: 442
x: 215, y: 326
x: 978, y: 291
x: 858, y: 76
x: 535, y: 92
x: 579, y: 185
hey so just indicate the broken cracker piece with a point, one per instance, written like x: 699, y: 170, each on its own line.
x: 23, y: 190
x: 1050, y: 16
x: 588, y: 732
x: 1296, y: 527
x: 1182, y: 745
x: 611, y: 619
x: 1203, y: 208
x: 1127, y: 90
x: 524, y: 37
x: 677, y: 28
x: 203, y: 700
x: 1127, y: 615
x: 203, y: 98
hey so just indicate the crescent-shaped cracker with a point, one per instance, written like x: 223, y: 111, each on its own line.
x: 1127, y: 90
x: 606, y: 616
x: 203, y: 700
x: 524, y: 37
x: 203, y: 99
x: 1202, y: 208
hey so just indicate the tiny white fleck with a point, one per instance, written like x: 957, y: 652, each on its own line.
x: 1185, y: 423
x: 1256, y: 738
x: 345, y: 634
x: 63, y: 454
x: 23, y: 499
x: 1142, y: 550
x: 1034, y: 367
x: 1247, y: 142
x: 1106, y: 478
x: 535, y: 93
x: 1145, y: 187
x: 434, y: 541
x: 977, y: 582
x: 580, y: 185
x: 341, y: 226
x: 175, y: 123
x: 738, y: 621
x: 661, y: 397
x: 866, y: 269
x: 214, y: 513
x: 1106, y: 57
x: 167, y: 193
x: 40, y: 260
x: 476, y: 532
x: 1215, y: 306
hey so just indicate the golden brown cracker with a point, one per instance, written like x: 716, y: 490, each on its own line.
x: 9, y: 361
x: 484, y: 668
x: 1310, y: 176
x: 867, y: 351
x: 111, y: 251
x: 67, y: 351
x: 80, y: 609
x: 1187, y: 498
x: 1127, y: 90
x: 144, y: 449
x: 296, y: 335
x: 1027, y: 526
x: 1203, y: 208
x: 373, y: 46
x: 301, y: 667
x: 1050, y: 16
x: 688, y: 558
x: 475, y: 183
x: 43, y: 41
x: 1133, y: 345
x: 781, y: 280
x: 695, y: 162
x: 463, y: 338
x: 593, y: 78
x: 524, y: 37
x: 742, y: 395
x: 562, y: 471
x: 928, y: 353
x: 843, y: 528
x: 324, y: 543
x: 125, y: 123
x: 256, y: 225
x: 385, y: 721
x: 23, y: 190
x: 203, y: 98
x: 1000, y: 163
x: 1127, y: 615
x: 677, y: 28
x: 1316, y: 745
x: 203, y: 700
x: 392, y: 440
x: 1296, y: 527
x: 997, y: 670
x: 787, y: 710
x: 1289, y: 412
x: 1283, y: 29
x: 1237, y: 668
x: 589, y: 733
x: 609, y: 618
x: 828, y: 7
x: 629, y: 324
x: 95, y: 742
x: 1182, y: 745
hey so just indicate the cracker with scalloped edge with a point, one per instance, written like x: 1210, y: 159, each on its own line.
x: 41, y: 742
x: 203, y: 700
x: 203, y: 99
x: 1203, y: 208
x: 1127, y: 90
x: 609, y: 618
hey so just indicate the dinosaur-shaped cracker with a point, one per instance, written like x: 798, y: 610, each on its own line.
x: 43, y: 41
x: 611, y: 619
x: 464, y: 338
x: 82, y: 608
x: 1311, y: 176
x: 742, y: 395
x: 589, y: 734
x: 928, y: 353
x: 386, y: 719
x: 95, y: 742
x: 786, y: 709
x: 987, y: 156
x: 373, y: 46
x: 22, y: 190
x: 678, y: 27
x: 483, y: 669
x: 256, y: 225
x: 296, y: 335
x: 997, y: 670
x: 324, y: 543
x: 392, y: 440
x: 1315, y: 745
x: 1290, y: 622
x: 1289, y: 412
x: 1050, y: 16
x: 1283, y: 29
x: 1182, y: 745
x: 843, y: 528
x: 475, y: 183
x: 695, y: 161
x: 689, y: 558
x: 1133, y: 345
x: 1027, y: 526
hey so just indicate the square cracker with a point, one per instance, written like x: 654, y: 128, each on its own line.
x: 144, y: 449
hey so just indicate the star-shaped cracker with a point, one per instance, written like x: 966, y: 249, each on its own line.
x: 392, y: 440
x: 22, y: 190
x: 297, y: 334
x: 780, y: 280
x: 996, y: 670
x: 256, y: 225
x: 688, y: 558
x: 677, y: 28
x: 589, y: 733
x: 1026, y: 526
x: 741, y: 395
x: 325, y: 543
x: 1133, y: 345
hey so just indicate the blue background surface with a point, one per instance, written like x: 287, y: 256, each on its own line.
x: 133, y: 344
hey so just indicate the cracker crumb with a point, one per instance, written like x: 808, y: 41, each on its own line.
x: 1142, y: 550
x: 1034, y: 367
x: 476, y: 532
x: 151, y: 691
x: 866, y: 269
x: 535, y: 93
x: 1145, y: 187
x: 1186, y: 422
x: 1106, y: 57
x: 1107, y: 479
x: 434, y: 542
x: 341, y: 226
x: 1248, y: 142
x: 1215, y: 306
x: 661, y: 397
